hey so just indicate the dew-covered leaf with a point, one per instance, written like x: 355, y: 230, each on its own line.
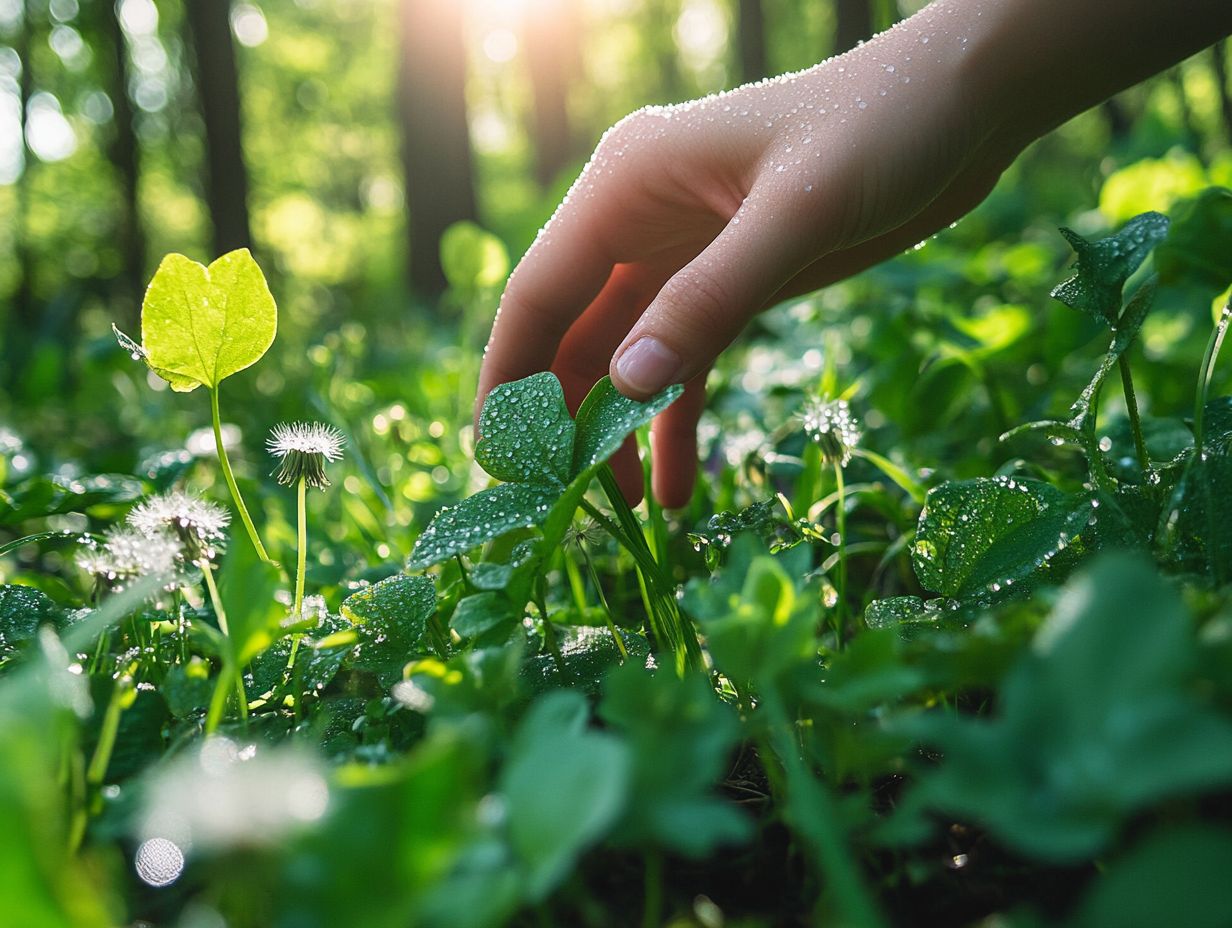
x: 607, y: 417
x: 391, y: 619
x: 1105, y: 264
x: 201, y: 324
x: 979, y: 537
x: 22, y: 610
x: 588, y: 653
x: 563, y: 786
x: 480, y: 518
x: 896, y: 611
x: 1196, y: 527
x: 526, y: 434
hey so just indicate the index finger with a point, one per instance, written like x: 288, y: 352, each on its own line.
x: 561, y: 273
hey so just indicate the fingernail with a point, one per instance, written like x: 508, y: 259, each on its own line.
x: 648, y: 365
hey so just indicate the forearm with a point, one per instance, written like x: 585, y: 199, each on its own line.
x: 1029, y: 65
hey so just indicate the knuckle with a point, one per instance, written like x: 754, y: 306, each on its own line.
x: 698, y: 304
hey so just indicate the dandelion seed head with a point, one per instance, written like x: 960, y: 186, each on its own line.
x: 128, y: 554
x: 199, y: 524
x: 303, y: 448
x: 831, y: 425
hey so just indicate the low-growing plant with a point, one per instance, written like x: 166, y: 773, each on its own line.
x: 563, y: 710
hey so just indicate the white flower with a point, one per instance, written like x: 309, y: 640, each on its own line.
x: 127, y: 554
x: 198, y: 524
x: 303, y: 449
x: 832, y: 426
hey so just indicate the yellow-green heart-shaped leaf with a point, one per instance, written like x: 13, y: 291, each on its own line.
x: 200, y: 325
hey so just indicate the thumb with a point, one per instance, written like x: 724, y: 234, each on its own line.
x: 705, y: 305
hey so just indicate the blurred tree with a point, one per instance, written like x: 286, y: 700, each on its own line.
x: 1219, y: 63
x: 854, y: 23
x: 659, y: 32
x: 751, y: 33
x: 23, y: 318
x: 436, y: 144
x: 226, y: 192
x: 124, y: 151
x: 550, y: 33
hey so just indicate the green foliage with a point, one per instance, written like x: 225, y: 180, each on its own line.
x: 1095, y: 722
x: 200, y: 325
x: 391, y: 619
x: 555, y: 809
x: 979, y: 537
x: 526, y: 436
x: 1105, y: 265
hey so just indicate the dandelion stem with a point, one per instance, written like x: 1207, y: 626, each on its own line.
x: 840, y: 519
x: 230, y: 478
x: 302, y: 541
x: 101, y: 758
x: 607, y: 610
x: 228, y: 673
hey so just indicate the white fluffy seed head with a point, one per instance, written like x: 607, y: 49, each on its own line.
x: 128, y: 554
x: 831, y: 425
x: 303, y: 448
x: 199, y: 524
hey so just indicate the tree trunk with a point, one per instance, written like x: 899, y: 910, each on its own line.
x: 22, y: 319
x: 1219, y: 60
x: 549, y: 29
x: 218, y: 90
x: 436, y: 144
x: 752, y: 40
x: 854, y: 23
x: 125, y: 154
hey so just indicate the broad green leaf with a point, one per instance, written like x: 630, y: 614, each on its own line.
x: 1195, y: 531
x: 22, y: 610
x: 1097, y: 722
x: 200, y: 325
x: 588, y: 653
x: 1198, y: 249
x: 392, y: 622
x: 1105, y: 264
x: 473, y: 258
x: 1184, y: 870
x: 526, y: 434
x: 480, y: 518
x: 607, y: 417
x: 45, y: 496
x: 979, y: 537
x: 563, y: 786
x: 482, y: 613
x: 540, y: 495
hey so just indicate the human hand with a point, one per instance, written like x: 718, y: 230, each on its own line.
x: 690, y: 219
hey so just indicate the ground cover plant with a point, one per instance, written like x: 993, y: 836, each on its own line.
x: 849, y: 685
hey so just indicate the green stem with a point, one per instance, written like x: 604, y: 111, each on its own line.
x: 607, y: 610
x: 230, y: 478
x: 97, y: 770
x: 1131, y: 406
x: 227, y: 676
x: 549, y: 635
x: 840, y: 520
x: 301, y: 564
x: 1207, y: 371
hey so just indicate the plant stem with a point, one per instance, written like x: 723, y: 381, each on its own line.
x: 97, y: 770
x: 230, y: 478
x: 607, y: 610
x: 840, y: 521
x: 301, y: 564
x: 228, y: 673
x: 1131, y: 406
x: 652, y: 907
x: 1207, y: 371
